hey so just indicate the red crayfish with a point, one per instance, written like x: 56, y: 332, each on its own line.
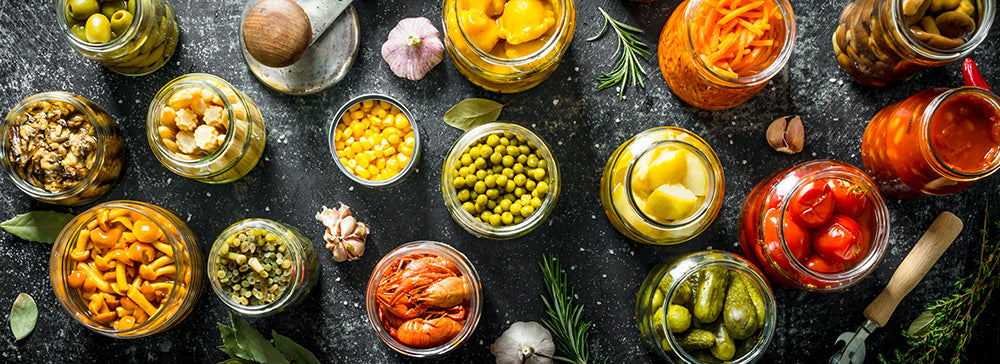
x: 422, y: 300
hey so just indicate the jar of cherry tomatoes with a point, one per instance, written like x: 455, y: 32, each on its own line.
x: 936, y: 142
x: 834, y: 226
x: 718, y: 55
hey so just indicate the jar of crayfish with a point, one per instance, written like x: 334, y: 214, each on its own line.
x: 663, y: 186
x: 60, y: 148
x: 936, y: 142
x: 882, y: 41
x: 507, y: 45
x: 718, y: 54
x: 201, y: 127
x: 424, y: 299
x: 260, y: 267
x: 131, y: 38
x: 127, y: 269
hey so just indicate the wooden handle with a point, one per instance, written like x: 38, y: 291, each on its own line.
x: 277, y: 32
x: 921, y: 258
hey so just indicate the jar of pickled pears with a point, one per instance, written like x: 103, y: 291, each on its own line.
x: 735, y: 324
x: 132, y: 38
x: 507, y: 45
x: 882, y: 41
x: 834, y: 226
x: 663, y: 186
x: 716, y: 55
x: 936, y: 142
x: 127, y: 269
x: 201, y: 127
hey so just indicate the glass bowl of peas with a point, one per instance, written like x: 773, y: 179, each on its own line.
x: 374, y: 140
x: 500, y: 180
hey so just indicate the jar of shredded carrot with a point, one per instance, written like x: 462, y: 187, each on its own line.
x: 716, y: 54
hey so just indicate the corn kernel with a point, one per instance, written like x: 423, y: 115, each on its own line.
x: 366, y: 143
x: 362, y: 173
x: 389, y: 151
x: 373, y: 170
x: 354, y: 107
x: 385, y: 105
x: 357, y: 115
x: 344, y: 160
x: 367, y: 104
x: 356, y: 147
x: 345, y: 119
x: 347, y: 133
x: 393, y: 164
x: 349, y: 153
x: 380, y: 163
x: 338, y: 135
x: 379, y: 112
x: 402, y: 123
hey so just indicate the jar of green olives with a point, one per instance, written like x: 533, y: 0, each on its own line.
x: 500, y: 180
x: 133, y: 37
x: 706, y: 307
x: 260, y: 267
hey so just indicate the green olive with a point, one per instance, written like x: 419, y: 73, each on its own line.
x: 98, y: 29
x: 80, y: 30
x: 120, y: 21
x: 130, y: 5
x: 109, y: 8
x: 82, y: 9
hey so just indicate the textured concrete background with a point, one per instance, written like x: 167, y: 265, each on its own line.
x: 296, y: 176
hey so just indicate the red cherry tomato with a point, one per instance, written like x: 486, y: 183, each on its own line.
x: 796, y: 238
x: 812, y: 205
x: 818, y: 264
x: 849, y: 198
x: 839, y: 240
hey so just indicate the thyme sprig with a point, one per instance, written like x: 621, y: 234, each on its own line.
x: 627, y: 70
x: 939, y: 335
x: 565, y: 317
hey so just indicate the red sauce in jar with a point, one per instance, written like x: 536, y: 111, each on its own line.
x: 965, y: 133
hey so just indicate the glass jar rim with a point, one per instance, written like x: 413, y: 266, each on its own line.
x: 101, y: 133
x: 410, y: 166
x: 548, y: 47
x: 479, y: 228
x: 931, y: 154
x: 121, y: 41
x: 704, y: 158
x: 902, y: 31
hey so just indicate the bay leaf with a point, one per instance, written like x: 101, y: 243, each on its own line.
x: 470, y: 113
x: 229, y: 344
x: 37, y: 226
x: 921, y: 324
x: 292, y: 350
x: 252, y: 342
x: 23, y: 316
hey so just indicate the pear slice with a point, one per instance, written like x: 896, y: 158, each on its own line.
x: 696, y: 178
x: 670, y: 202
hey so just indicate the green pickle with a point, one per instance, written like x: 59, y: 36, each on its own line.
x: 740, y: 316
x: 696, y: 339
x: 755, y: 296
x: 724, y: 347
x: 711, y: 293
x: 706, y: 357
x: 678, y: 318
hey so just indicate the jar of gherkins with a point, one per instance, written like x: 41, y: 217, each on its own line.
x: 260, y: 267
x: 706, y: 307
x: 133, y: 37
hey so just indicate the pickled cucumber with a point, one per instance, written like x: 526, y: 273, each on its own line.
x: 724, y: 347
x: 696, y: 339
x: 755, y: 296
x: 657, y: 299
x: 711, y: 293
x: 682, y: 295
x: 678, y: 318
x: 739, y: 315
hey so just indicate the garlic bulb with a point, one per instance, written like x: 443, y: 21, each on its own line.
x: 413, y: 48
x: 344, y: 236
x: 524, y: 342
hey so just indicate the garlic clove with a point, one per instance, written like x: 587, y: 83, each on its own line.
x: 354, y: 247
x: 340, y: 254
x: 787, y: 134
x: 413, y: 48
x: 347, y: 226
x: 524, y: 342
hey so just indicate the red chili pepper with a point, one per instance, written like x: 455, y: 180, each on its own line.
x: 970, y: 73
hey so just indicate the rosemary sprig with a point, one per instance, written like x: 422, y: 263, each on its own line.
x: 628, y: 69
x: 939, y: 335
x: 565, y: 317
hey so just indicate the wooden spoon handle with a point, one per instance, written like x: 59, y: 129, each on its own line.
x: 921, y: 258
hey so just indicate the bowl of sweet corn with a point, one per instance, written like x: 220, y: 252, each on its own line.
x: 374, y: 140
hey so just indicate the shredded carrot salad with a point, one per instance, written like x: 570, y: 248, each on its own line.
x: 737, y: 37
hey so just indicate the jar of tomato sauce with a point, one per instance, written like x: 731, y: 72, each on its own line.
x: 936, y: 142
x: 834, y: 226
x: 716, y: 56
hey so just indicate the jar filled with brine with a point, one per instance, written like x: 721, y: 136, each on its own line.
x: 716, y: 56
x: 936, y: 142
x: 882, y: 41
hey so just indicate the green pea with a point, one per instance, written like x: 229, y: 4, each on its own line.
x: 473, y: 152
x: 492, y: 140
x: 530, y: 185
x: 542, y: 164
x: 493, y: 193
x: 497, y: 209
x: 495, y: 220
x: 518, y: 168
x: 496, y: 158
x: 521, y: 158
x: 518, y: 219
x: 491, y: 181
x: 504, y: 141
x: 524, y: 148
x: 508, y: 161
x: 463, y: 195
x: 480, y: 162
x: 482, y: 200
x: 527, y: 210
x: 538, y: 174
x: 519, y: 180
x: 464, y: 171
x: 536, y: 202
x: 491, y: 204
x: 109, y: 8
x: 479, y: 187
x: 510, y: 186
x: 500, y: 149
x: 485, y: 216
x: 519, y: 191
x: 470, y: 180
x: 507, y: 218
x: 501, y: 180
x: 83, y: 9
x: 485, y: 150
x: 508, y: 172
x: 505, y: 204
x: 532, y: 161
x: 459, y: 182
x: 98, y: 29
x: 510, y: 196
x: 513, y: 151
x: 515, y: 208
x: 542, y: 188
x: 131, y: 6
x: 480, y: 175
x: 465, y: 159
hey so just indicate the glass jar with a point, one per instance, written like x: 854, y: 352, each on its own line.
x: 454, y: 180
x: 233, y: 123
x: 707, y: 86
x: 501, y: 68
x: 457, y: 264
x: 796, y: 256
x: 143, y: 47
x: 673, y: 275
x: 625, y: 206
x: 102, y: 160
x: 301, y: 269
x: 396, y: 136
x: 936, y: 142
x: 874, y: 44
x: 174, y: 260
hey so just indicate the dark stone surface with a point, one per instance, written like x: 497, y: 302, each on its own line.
x: 296, y: 177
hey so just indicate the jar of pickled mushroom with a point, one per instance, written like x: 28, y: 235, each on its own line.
x: 882, y: 41
x: 834, y: 226
x: 718, y: 54
x: 663, y: 186
x: 936, y: 142
x: 507, y: 45
x: 424, y: 299
x: 259, y: 267
x: 201, y: 127
x: 60, y: 148
x: 706, y: 307
x: 133, y: 37
x: 127, y: 269
x: 500, y: 180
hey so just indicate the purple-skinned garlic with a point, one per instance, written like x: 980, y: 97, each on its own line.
x: 413, y: 48
x: 344, y: 236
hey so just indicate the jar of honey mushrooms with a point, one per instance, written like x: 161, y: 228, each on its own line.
x: 507, y: 45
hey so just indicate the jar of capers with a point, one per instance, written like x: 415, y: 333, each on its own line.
x: 132, y: 37
x: 500, y: 180
x: 260, y: 267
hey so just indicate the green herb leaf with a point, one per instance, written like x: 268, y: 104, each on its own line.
x: 293, y: 351
x: 251, y: 341
x: 921, y: 325
x: 229, y: 344
x: 37, y: 226
x: 627, y: 71
x: 23, y: 316
x: 471, y: 113
x: 565, y: 317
